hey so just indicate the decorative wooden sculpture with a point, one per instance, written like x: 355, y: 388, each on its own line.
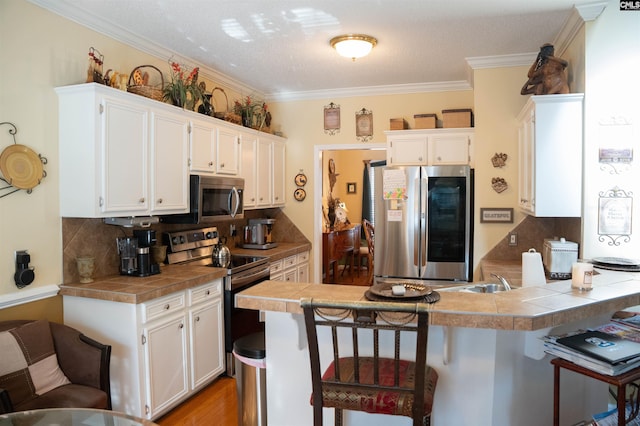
x: 547, y: 74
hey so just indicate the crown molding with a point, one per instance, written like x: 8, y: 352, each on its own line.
x: 68, y: 11
x: 500, y: 61
x: 394, y: 89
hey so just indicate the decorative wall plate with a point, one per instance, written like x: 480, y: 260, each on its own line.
x: 299, y: 194
x: 21, y: 167
x: 301, y: 179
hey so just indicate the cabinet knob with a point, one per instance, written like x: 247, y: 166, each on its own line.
x: 166, y: 307
x: 159, y: 200
x: 208, y: 292
x: 210, y: 163
x: 181, y: 326
x: 419, y: 158
x: 197, y: 319
x: 142, y: 200
x: 222, y: 165
x: 277, y: 198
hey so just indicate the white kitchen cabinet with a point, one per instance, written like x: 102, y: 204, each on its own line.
x: 550, y: 156
x: 227, y: 150
x: 169, y: 163
x: 294, y: 268
x: 264, y: 169
x: 430, y: 147
x: 303, y: 267
x: 248, y: 161
x: 164, y: 343
x: 450, y: 148
x: 107, y: 154
x: 206, y: 334
x: 162, y: 351
x: 202, y: 156
x: 278, y: 177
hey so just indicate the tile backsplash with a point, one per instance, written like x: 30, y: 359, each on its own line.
x: 92, y: 237
x: 532, y: 232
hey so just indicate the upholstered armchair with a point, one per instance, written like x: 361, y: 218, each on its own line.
x: 50, y: 365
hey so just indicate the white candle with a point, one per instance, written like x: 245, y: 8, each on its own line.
x: 581, y: 274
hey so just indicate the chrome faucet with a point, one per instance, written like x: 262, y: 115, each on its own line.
x: 503, y: 281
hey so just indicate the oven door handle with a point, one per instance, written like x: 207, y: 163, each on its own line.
x: 241, y: 280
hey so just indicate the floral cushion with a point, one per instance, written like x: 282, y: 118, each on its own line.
x: 28, y: 362
x: 381, y: 401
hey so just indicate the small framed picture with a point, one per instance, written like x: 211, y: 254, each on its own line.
x: 496, y: 215
x: 364, y: 125
x: 351, y: 187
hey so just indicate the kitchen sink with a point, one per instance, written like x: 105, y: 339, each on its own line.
x: 477, y: 288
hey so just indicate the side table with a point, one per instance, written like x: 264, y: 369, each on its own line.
x: 620, y: 382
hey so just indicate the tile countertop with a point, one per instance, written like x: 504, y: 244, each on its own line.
x: 522, y: 309
x: 128, y: 289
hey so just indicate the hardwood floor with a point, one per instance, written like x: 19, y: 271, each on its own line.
x: 214, y: 405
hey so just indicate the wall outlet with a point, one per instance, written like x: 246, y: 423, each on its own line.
x: 513, y: 238
x: 232, y: 230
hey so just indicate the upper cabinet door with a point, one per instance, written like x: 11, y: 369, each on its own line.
x: 124, y: 149
x: 169, y: 163
x: 248, y: 168
x: 407, y: 150
x: 550, y: 133
x: 450, y: 149
x: 228, y: 151
x: 264, y: 172
x: 278, y: 173
x: 202, y: 148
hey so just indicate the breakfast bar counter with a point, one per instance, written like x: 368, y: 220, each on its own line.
x: 486, y: 349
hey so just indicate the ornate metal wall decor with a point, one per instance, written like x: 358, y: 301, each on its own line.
x: 332, y: 119
x: 615, y: 138
x: 364, y: 125
x: 20, y: 166
x: 615, y: 210
x: 499, y: 160
x: 499, y: 184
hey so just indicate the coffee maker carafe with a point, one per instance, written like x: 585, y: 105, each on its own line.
x: 127, y: 249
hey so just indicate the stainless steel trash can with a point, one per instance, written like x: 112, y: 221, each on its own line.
x: 251, y: 379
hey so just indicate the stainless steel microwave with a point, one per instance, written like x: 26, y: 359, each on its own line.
x: 212, y: 198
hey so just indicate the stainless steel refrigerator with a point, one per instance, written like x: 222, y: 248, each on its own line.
x: 423, y: 223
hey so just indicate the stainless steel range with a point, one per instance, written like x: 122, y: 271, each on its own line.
x: 196, y: 246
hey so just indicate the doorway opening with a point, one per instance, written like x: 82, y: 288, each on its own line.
x: 348, y: 161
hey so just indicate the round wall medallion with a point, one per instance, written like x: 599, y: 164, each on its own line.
x: 301, y: 179
x: 300, y: 194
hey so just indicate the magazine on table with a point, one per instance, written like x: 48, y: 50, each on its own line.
x: 603, y: 346
x: 591, y: 363
x: 630, y: 319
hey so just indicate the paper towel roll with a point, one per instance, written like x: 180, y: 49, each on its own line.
x: 532, y: 269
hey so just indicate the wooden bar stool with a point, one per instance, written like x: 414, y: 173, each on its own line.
x: 620, y: 382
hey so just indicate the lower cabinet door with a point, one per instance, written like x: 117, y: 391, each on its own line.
x: 165, y: 351
x: 207, y: 342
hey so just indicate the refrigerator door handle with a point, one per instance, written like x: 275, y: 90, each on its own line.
x: 416, y: 226
x: 424, y: 200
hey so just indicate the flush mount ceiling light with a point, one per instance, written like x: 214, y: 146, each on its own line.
x: 353, y: 45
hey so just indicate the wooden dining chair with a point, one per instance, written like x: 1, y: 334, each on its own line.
x: 369, y: 232
x: 363, y: 374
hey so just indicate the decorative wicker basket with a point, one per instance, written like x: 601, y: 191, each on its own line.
x: 135, y: 84
x: 227, y: 115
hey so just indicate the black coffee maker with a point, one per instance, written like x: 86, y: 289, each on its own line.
x: 146, y: 239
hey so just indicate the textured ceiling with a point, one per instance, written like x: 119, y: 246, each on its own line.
x: 282, y: 47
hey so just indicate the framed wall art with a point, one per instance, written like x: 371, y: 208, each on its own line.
x: 351, y: 187
x: 364, y: 125
x: 496, y: 215
x: 332, y: 119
